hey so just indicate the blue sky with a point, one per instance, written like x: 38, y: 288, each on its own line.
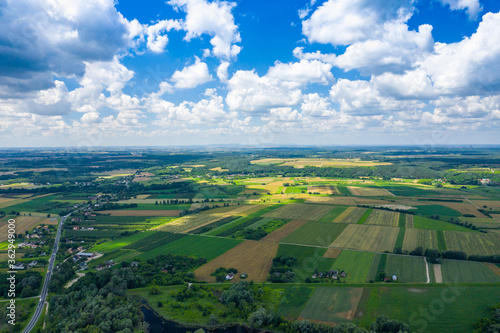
x: 179, y: 72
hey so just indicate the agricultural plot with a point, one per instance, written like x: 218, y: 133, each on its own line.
x: 287, y: 229
x: 318, y: 162
x: 24, y: 223
x: 251, y: 257
x: 463, y: 208
x: 409, y: 221
x: 487, y: 204
x: 383, y: 217
x: 472, y: 243
x: 367, y: 238
x: 155, y: 212
x: 300, y: 212
x: 353, y: 217
x: 378, y: 265
x: 294, y: 301
x: 414, y: 238
x: 241, y: 210
x: 438, y: 273
x: 356, y: 264
x: 369, y: 191
x: 326, y: 189
x: 332, y: 253
x: 189, y: 222
x: 406, y: 268
x: 421, y: 222
x: 121, y: 242
x: 315, y: 233
x: 406, y: 304
x: 333, y: 214
x: 344, y: 214
x: 213, y: 225
x: 456, y: 271
x: 309, y: 259
x: 428, y: 210
x: 153, y: 241
x: 332, y: 305
x: 346, y: 201
x: 194, y: 246
x: 495, y: 268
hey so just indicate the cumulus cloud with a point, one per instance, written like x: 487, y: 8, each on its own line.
x: 222, y: 71
x: 296, y: 74
x: 214, y: 19
x: 192, y: 76
x: 156, y: 38
x: 473, y: 7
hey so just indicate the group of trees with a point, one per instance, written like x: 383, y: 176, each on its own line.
x: 27, y: 284
x: 490, y: 324
x: 282, y: 269
x: 434, y: 255
x: 62, y: 274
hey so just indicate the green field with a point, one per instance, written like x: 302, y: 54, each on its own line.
x: 294, y: 301
x: 356, y: 264
x: 441, y: 240
x: 315, y: 233
x: 401, y: 237
x: 194, y: 246
x: 121, y: 242
x: 431, y: 309
x: 365, y: 216
x: 41, y: 204
x: 421, y: 222
x: 406, y: 268
x: 333, y: 214
x: 309, y: 259
x: 429, y: 210
x: 472, y: 243
x: 414, y: 238
x: 147, y: 206
x: 335, y: 305
x: 466, y: 271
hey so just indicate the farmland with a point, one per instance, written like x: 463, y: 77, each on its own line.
x: 352, y: 216
x: 454, y: 271
x: 25, y: 223
x: 334, y: 305
x: 303, y: 162
x: 333, y: 214
x: 155, y: 212
x: 251, y: 257
x: 383, y: 217
x: 427, y: 239
x: 300, y: 212
x: 309, y: 259
x: 355, y: 263
x: 190, y: 222
x: 406, y: 268
x: 421, y: 222
x: 369, y: 191
x: 472, y: 243
x: 315, y: 233
x: 281, y: 233
x: 367, y: 238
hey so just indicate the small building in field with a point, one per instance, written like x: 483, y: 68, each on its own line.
x: 229, y: 276
x: 394, y: 278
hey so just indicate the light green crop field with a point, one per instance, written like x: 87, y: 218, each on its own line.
x: 367, y: 238
x: 406, y: 268
x: 356, y: 264
x: 383, y: 217
x: 300, y: 212
x: 309, y: 259
x: 121, y: 242
x: 294, y: 301
x: 472, y: 243
x: 466, y: 271
x: 315, y: 233
x: 334, y: 213
x: 420, y: 222
x: 427, y: 239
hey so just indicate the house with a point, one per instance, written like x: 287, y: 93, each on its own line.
x: 314, y: 276
x: 343, y: 274
x: 243, y: 276
x: 229, y: 276
x: 32, y: 264
x: 76, y: 227
x: 134, y: 264
x: 394, y: 278
x: 17, y: 266
x: 86, y: 254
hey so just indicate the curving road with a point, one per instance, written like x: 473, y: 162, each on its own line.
x: 45, y: 287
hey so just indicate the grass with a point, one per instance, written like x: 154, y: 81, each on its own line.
x: 294, y: 301
x: 213, y: 225
x: 344, y: 190
x: 367, y: 238
x: 354, y: 216
x: 309, y: 259
x: 456, y: 271
x: 121, y: 242
x: 406, y: 268
x: 441, y: 240
x: 420, y: 237
x: 372, y: 273
x: 355, y: 263
x: 402, y: 220
x: 315, y: 233
x: 421, y: 222
x: 365, y: 216
x: 334, y: 213
x: 194, y: 246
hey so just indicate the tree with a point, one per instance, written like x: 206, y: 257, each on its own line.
x: 385, y: 325
x: 154, y: 290
x: 212, y: 320
x: 48, y: 215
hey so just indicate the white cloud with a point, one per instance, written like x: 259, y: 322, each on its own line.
x: 157, y: 39
x: 222, y: 71
x: 212, y: 18
x: 52, y: 95
x: 473, y: 7
x: 192, y: 76
x: 315, y: 105
x: 298, y: 53
x: 297, y: 74
x: 250, y: 92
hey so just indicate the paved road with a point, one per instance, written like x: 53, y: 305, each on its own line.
x: 45, y: 288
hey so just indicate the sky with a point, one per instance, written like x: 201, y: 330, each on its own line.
x: 86, y: 73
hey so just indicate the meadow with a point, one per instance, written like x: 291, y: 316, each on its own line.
x: 406, y: 268
x: 458, y: 271
x: 315, y: 233
x: 355, y: 263
x: 367, y: 238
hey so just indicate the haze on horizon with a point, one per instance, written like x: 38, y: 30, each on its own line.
x: 91, y: 73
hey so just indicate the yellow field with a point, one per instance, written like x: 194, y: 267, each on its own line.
x: 420, y: 237
x: 409, y: 221
x: 251, y: 257
x: 188, y: 223
x: 344, y: 214
x: 284, y: 231
x: 152, y: 212
x: 24, y: 223
x: 323, y: 189
x: 462, y: 207
x: 346, y: 201
x: 369, y: 191
x: 488, y: 203
x: 318, y: 162
x: 493, y: 267
x: 472, y: 243
x: 219, y: 169
x: 332, y: 253
x: 242, y: 210
x: 383, y: 217
x: 367, y: 238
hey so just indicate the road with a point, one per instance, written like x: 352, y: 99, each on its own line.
x: 45, y: 288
